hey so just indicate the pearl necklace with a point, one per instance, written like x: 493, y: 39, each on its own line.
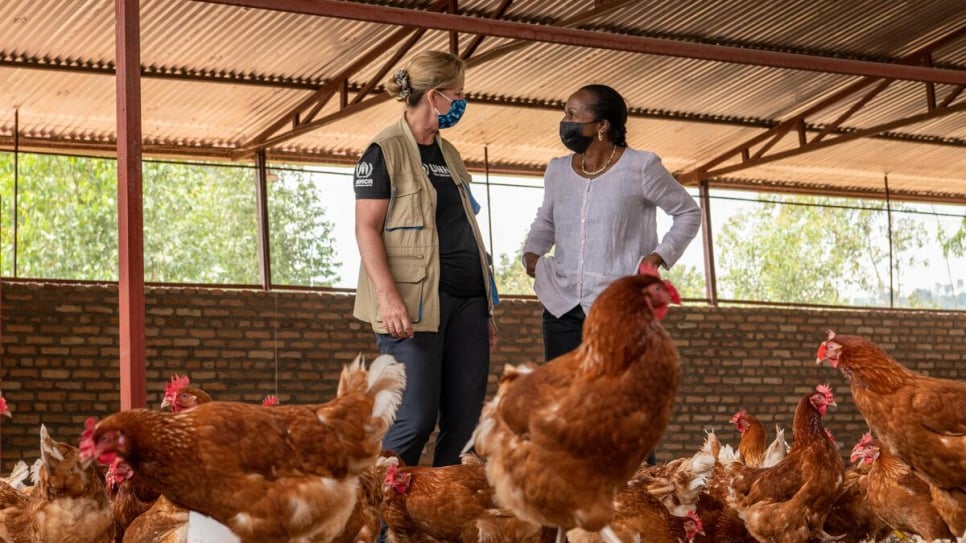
x: 606, y: 165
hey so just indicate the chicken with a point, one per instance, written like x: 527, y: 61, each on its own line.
x: 900, y: 498
x: 659, y: 502
x: 918, y: 419
x: 17, y: 479
x: 130, y: 496
x: 720, y: 522
x: 560, y: 440
x: 281, y: 473
x: 680, y: 482
x: 180, y: 395
x: 68, y: 505
x: 639, y: 516
x: 365, y: 521
x: 788, y: 502
x: 851, y: 518
x: 164, y: 522
x: 12, y: 487
x: 752, y: 443
x: 448, y: 504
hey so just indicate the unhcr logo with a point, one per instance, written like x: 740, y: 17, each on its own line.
x: 363, y: 169
x: 437, y: 170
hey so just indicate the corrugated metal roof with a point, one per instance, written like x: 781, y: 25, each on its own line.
x: 216, y: 76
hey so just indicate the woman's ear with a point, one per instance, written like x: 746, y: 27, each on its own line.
x: 603, y: 129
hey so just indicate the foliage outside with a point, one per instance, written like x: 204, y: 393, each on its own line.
x: 201, y: 227
x: 821, y: 250
x: 200, y: 224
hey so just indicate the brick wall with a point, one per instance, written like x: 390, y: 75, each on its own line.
x: 60, y: 355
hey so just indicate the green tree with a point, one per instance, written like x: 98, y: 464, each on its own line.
x: 66, y: 217
x: 510, y: 275
x: 688, y: 280
x: 813, y: 250
x: 302, y: 242
x: 199, y: 223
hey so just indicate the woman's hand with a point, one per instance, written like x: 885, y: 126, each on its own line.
x: 394, y: 315
x: 653, y: 259
x: 530, y: 260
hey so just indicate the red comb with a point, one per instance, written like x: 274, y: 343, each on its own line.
x: 270, y: 400
x: 87, y: 438
x: 391, y: 471
x: 177, y: 383
x: 737, y: 416
x: 673, y: 292
x: 824, y: 389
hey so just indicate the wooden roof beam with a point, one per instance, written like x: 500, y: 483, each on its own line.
x: 777, y: 132
x: 816, y: 145
x: 348, y: 109
x: 318, y: 99
x: 600, y: 40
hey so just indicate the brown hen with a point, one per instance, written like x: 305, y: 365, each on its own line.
x: 560, y: 440
x: 896, y: 495
x: 919, y: 419
x: 281, y: 473
x: 788, y: 502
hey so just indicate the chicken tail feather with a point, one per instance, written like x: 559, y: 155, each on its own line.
x: 18, y: 475
x: 385, y: 382
x: 608, y: 535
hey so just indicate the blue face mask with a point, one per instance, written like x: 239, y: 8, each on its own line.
x: 456, y: 109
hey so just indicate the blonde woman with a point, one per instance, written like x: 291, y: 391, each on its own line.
x: 424, y: 284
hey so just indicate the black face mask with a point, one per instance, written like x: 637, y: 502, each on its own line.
x: 571, y: 137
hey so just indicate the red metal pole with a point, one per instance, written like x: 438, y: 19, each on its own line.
x: 130, y: 220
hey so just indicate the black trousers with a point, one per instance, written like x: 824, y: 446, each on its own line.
x: 560, y: 336
x: 446, y: 377
x: 564, y: 334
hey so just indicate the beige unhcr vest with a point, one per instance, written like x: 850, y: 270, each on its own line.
x: 409, y: 232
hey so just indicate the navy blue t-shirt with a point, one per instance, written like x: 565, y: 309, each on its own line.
x: 460, y: 272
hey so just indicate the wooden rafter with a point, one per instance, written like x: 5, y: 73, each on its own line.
x: 266, y: 140
x: 599, y: 10
x: 799, y: 121
x: 386, y: 66
x: 816, y: 145
x: 316, y: 101
x: 601, y: 40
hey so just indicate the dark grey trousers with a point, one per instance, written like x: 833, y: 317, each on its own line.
x: 446, y: 377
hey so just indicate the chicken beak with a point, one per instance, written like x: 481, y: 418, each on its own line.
x: 165, y: 403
